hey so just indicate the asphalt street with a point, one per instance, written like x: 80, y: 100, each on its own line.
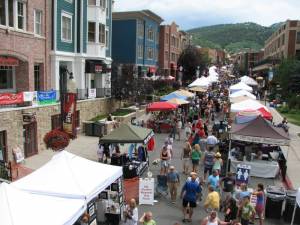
x: 166, y: 213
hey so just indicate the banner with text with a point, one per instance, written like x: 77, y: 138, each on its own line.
x: 46, y: 97
x: 11, y: 98
x: 69, y: 110
x: 146, y: 191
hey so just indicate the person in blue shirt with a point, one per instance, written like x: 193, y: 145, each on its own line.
x: 190, y: 191
x: 214, y: 180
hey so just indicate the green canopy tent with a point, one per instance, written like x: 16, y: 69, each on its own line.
x: 128, y: 133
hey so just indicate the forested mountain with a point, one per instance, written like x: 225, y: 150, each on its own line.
x: 233, y: 37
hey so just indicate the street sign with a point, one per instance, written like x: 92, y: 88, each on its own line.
x: 242, y: 174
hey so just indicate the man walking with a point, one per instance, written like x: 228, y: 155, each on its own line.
x: 189, y: 193
x: 173, y: 182
x: 246, y: 211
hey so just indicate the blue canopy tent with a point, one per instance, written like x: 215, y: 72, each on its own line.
x: 173, y: 95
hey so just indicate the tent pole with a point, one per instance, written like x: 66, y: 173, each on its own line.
x: 227, y: 164
x: 294, y: 212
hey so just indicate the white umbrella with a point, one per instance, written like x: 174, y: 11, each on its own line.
x: 242, y: 93
x: 240, y: 86
x: 249, y: 80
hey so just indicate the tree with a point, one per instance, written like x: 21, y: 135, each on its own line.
x: 287, y: 76
x: 190, y: 59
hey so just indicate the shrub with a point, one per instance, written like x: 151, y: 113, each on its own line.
x: 56, y: 140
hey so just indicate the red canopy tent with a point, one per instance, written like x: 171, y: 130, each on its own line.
x: 265, y: 114
x: 161, y: 106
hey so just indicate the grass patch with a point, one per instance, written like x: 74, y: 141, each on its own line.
x: 99, y: 117
x: 122, y: 112
x: 292, y: 118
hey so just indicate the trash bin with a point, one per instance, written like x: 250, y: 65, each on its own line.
x: 274, y: 203
x: 98, y: 129
x: 89, y: 128
x: 289, y: 207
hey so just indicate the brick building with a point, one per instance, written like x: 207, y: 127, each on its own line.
x: 285, y: 42
x: 247, y: 61
x: 23, y: 47
x: 172, y: 41
x: 215, y: 56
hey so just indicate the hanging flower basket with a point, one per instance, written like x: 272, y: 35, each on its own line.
x: 56, y: 140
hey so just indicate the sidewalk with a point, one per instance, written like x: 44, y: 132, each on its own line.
x: 293, y: 152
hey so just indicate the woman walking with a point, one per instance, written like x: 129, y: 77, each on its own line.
x: 196, y: 156
x: 186, y: 157
x: 260, y: 204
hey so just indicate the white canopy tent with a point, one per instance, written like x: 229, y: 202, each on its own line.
x: 242, y: 93
x: 246, y: 105
x: 249, y: 81
x: 200, y: 82
x: 19, y: 207
x: 240, y: 86
x: 70, y: 176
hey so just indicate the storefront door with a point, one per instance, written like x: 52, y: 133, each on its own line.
x: 30, y: 139
x: 3, y: 146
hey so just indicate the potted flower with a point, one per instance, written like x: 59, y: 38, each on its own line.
x: 57, y: 140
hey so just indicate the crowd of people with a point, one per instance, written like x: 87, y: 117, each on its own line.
x: 205, y: 179
x: 203, y: 164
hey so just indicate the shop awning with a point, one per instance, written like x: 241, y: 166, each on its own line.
x: 128, y: 133
x: 19, y: 207
x: 70, y: 176
x: 8, y: 61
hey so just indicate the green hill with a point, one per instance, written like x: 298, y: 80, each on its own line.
x: 233, y: 37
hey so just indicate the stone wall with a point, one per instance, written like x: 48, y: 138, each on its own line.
x: 11, y: 120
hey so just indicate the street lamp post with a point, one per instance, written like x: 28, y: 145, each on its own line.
x: 198, y: 71
x: 64, y: 87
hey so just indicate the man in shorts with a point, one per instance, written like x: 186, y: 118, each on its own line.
x: 190, y: 191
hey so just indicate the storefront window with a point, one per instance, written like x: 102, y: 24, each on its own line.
x: 6, y: 77
x: 2, y: 12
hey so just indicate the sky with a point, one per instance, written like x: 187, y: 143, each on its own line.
x: 197, y: 13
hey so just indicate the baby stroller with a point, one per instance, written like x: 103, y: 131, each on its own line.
x: 162, y: 186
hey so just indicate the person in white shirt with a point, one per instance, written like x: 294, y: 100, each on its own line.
x: 131, y: 213
x: 212, y: 140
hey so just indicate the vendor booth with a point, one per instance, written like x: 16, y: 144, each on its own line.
x: 19, y: 207
x: 200, y: 82
x: 249, y: 81
x: 162, y: 115
x: 69, y: 176
x: 173, y: 95
x: 178, y: 101
x: 198, y: 89
x: 185, y: 93
x: 242, y: 93
x: 256, y: 144
x: 240, y: 86
x: 247, y: 104
x: 134, y: 142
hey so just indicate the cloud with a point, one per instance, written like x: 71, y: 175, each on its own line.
x: 194, y: 13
